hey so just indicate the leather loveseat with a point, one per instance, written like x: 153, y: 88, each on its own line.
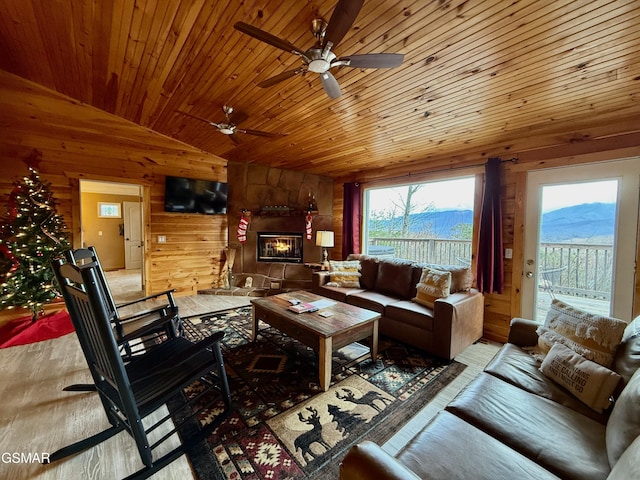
x: 514, y: 422
x: 270, y: 278
x: 388, y: 286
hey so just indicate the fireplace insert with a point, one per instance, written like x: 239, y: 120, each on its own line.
x: 279, y: 247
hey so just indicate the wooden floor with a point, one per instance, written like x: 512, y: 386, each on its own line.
x: 38, y: 417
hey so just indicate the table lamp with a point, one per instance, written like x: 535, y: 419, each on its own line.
x: 324, y: 239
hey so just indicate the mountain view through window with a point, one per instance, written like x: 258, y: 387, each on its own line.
x: 426, y: 222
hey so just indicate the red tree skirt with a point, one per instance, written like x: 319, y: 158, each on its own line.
x: 23, y: 331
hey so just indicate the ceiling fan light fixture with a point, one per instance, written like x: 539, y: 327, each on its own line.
x: 319, y: 62
x: 227, y: 129
x: 319, y: 66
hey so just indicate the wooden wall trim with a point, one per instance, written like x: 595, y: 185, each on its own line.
x: 520, y: 180
x: 76, y: 213
x: 108, y: 178
x: 146, y: 228
x: 477, y: 214
x: 598, y: 150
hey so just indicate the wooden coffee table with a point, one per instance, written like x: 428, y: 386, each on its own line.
x: 347, y: 324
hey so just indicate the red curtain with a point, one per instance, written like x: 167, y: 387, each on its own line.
x: 352, y: 219
x: 490, y: 266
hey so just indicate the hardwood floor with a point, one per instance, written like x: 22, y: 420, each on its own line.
x: 38, y: 417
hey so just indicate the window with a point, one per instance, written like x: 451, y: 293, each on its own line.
x: 108, y: 210
x: 426, y: 222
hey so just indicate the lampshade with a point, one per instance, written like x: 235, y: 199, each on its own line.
x: 324, y: 238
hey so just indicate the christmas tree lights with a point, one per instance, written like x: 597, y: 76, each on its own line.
x: 31, y: 235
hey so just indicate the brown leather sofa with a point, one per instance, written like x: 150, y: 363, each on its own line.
x: 270, y: 278
x: 388, y: 285
x: 513, y: 422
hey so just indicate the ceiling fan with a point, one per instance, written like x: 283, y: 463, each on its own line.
x: 230, y: 129
x: 319, y: 58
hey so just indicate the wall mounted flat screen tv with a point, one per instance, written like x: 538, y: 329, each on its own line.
x: 189, y: 195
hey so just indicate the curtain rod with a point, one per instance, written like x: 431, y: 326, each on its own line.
x: 451, y: 169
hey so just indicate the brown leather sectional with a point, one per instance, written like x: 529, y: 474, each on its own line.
x: 513, y: 422
x: 387, y: 287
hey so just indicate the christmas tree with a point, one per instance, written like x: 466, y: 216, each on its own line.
x: 31, y: 235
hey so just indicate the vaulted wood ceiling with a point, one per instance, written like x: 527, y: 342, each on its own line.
x: 476, y: 74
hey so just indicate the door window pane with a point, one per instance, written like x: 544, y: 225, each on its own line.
x: 576, y: 245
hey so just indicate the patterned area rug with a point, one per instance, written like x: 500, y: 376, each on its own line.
x: 283, y: 426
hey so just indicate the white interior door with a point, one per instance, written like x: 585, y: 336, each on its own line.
x: 132, y: 235
x: 580, y: 238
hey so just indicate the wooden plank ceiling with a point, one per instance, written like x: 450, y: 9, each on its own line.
x: 476, y: 74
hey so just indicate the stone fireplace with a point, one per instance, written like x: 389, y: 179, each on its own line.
x: 279, y: 247
x: 252, y: 188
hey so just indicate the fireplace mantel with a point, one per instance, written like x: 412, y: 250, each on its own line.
x: 284, y: 212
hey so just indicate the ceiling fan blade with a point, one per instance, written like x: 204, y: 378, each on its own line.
x: 330, y: 85
x: 343, y: 16
x: 267, y: 37
x: 260, y: 133
x: 199, y: 118
x: 374, y: 60
x: 238, y: 117
x: 234, y: 139
x: 279, y: 78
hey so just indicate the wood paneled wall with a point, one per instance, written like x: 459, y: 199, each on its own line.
x: 77, y: 141
x: 501, y: 308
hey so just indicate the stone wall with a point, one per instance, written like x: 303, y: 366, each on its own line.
x: 253, y: 187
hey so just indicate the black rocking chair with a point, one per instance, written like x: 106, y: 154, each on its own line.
x: 130, y: 391
x: 141, y: 327
x: 139, y: 320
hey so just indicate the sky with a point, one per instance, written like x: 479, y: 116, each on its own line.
x: 458, y: 195
x: 560, y: 196
x: 445, y: 195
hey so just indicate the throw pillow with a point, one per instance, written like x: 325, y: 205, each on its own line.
x: 395, y: 278
x: 588, y: 381
x: 623, y: 425
x: 344, y: 274
x: 593, y: 336
x: 627, y: 359
x: 461, y: 278
x: 369, y: 272
x: 433, y: 284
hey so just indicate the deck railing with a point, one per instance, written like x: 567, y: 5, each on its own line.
x: 428, y: 250
x: 583, y: 270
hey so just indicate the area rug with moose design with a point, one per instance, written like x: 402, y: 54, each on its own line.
x: 283, y: 426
